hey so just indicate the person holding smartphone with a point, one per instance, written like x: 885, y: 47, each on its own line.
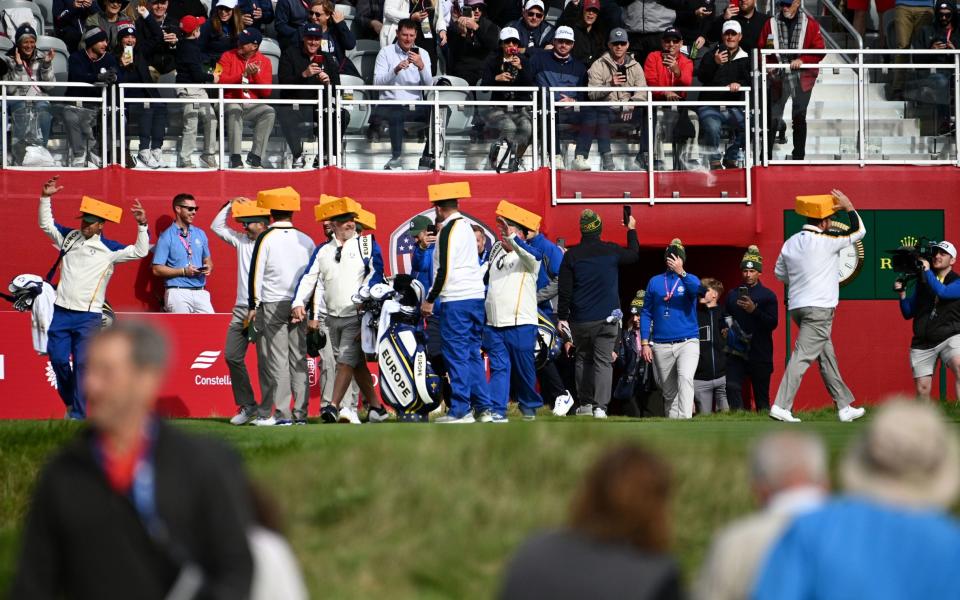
x: 728, y: 66
x: 182, y: 258
x: 134, y: 60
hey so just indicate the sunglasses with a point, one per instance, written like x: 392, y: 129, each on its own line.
x: 534, y: 14
x: 618, y: 43
x: 314, y: 13
x: 189, y: 208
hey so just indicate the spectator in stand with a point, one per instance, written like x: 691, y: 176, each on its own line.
x: 152, y: 117
x: 369, y: 19
x: 668, y: 67
x: 306, y: 65
x: 727, y: 66
x: 753, y: 310
x: 669, y: 328
x: 182, y: 258
x: 253, y: 13
x: 424, y: 14
x: 401, y: 64
x: 590, y: 34
x: 861, y: 15
x: 70, y: 18
x: 588, y: 307
x: 560, y: 69
x: 891, y: 535
x: 710, y: 381
x: 615, y: 68
x: 645, y: 21
x: 909, y: 17
x: 509, y: 68
x: 751, y: 23
x: 179, y: 9
x: 615, y: 545
x: 335, y: 37
x: 31, y: 120
x: 796, y: 84
x: 108, y: 19
x: 472, y: 40
x: 535, y: 31
x: 190, y: 69
x: 290, y: 16
x: 219, y: 35
x: 94, y: 65
x: 247, y: 65
x: 162, y: 40
x: 694, y: 19
x: 789, y: 478
x: 936, y: 88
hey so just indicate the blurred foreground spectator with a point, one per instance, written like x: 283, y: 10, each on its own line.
x: 890, y: 536
x: 134, y: 508
x: 615, y: 543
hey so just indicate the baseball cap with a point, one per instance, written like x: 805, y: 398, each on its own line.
x: 311, y: 30
x: 190, y: 23
x: 946, y: 247
x: 617, y: 34
x: 533, y: 3
x: 564, y: 33
x: 671, y: 32
x: 227, y: 3
x: 419, y: 224
x: 474, y: 3
x: 591, y: 5
x: 250, y: 35
x: 509, y: 33
x: 731, y: 25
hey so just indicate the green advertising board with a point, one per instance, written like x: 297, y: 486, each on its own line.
x: 873, y: 275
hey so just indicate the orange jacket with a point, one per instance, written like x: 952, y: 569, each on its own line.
x: 658, y: 75
x: 231, y: 68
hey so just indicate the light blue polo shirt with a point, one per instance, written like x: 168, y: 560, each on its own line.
x: 171, y: 251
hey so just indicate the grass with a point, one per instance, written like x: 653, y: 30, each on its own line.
x: 425, y: 511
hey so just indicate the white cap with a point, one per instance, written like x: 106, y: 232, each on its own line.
x: 227, y: 3
x: 947, y: 247
x: 731, y: 25
x: 564, y: 33
x: 509, y: 33
x: 531, y: 3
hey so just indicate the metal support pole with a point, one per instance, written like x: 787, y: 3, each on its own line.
x: 763, y: 108
x: 553, y: 142
x: 3, y: 119
x: 123, y: 125
x: 861, y: 110
x: 956, y: 108
x: 223, y: 125
x: 650, y: 150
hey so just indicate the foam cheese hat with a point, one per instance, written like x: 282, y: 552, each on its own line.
x: 819, y: 206
x: 335, y: 207
x: 95, y: 208
x: 366, y: 219
x: 285, y: 198
x: 448, y: 191
x: 521, y: 216
x: 245, y: 208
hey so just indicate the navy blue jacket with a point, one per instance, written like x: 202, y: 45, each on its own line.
x: 538, y: 37
x: 290, y: 17
x: 69, y: 19
x: 190, y: 63
x: 81, y: 68
x: 246, y: 7
x: 681, y: 324
x: 760, y: 324
x: 215, y: 44
x: 549, y: 71
x: 713, y: 360
x: 589, y: 283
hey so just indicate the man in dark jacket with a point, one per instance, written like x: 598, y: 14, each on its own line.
x: 936, y: 87
x: 751, y: 22
x: 560, y: 69
x: 729, y: 65
x: 152, y: 116
x: 69, y: 18
x: 534, y: 29
x: 935, y: 310
x: 369, y: 19
x: 588, y: 306
x: 161, y: 40
x: 472, y: 38
x: 305, y: 65
x: 93, y: 64
x: 134, y: 507
x: 710, y: 380
x: 752, y: 311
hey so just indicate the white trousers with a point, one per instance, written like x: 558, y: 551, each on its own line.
x: 184, y: 301
x: 676, y: 365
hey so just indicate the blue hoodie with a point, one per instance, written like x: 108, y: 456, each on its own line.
x: 549, y: 71
x: 682, y: 322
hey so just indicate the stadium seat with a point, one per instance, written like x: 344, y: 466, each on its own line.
x: 46, y: 9
x: 46, y: 42
x: 364, y: 46
x: 365, y: 62
x: 359, y: 114
x: 347, y: 10
x: 271, y: 49
x: 33, y: 7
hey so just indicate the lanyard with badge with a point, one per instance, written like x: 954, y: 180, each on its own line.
x: 668, y: 295
x: 184, y: 238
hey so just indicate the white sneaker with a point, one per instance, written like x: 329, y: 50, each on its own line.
x: 242, y: 417
x: 467, y: 418
x: 599, y: 413
x: 580, y: 163
x: 348, y: 415
x: 559, y: 162
x: 79, y: 161
x: 157, y: 154
x: 489, y: 416
x: 93, y: 160
x: 850, y: 413
x: 145, y: 158
x: 585, y: 410
x: 265, y: 421
x: 378, y: 415
x: 486, y: 416
x: 782, y: 414
x: 563, y: 404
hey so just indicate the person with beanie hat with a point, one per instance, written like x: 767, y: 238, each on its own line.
x: 69, y: 20
x: 752, y: 311
x: 589, y: 297
x: 95, y: 65
x: 710, y: 380
x: 152, y: 116
x: 25, y: 63
x: 109, y: 19
x: 668, y: 324
x: 636, y: 393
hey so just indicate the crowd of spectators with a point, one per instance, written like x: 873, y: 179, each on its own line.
x: 595, y: 43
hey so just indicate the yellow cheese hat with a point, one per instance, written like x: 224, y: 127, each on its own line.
x: 366, y: 219
x: 820, y: 206
x: 285, y: 198
x: 520, y: 216
x: 448, y: 191
x: 337, y: 207
x: 244, y: 208
x: 91, y: 207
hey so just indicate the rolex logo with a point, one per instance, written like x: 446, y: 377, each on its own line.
x: 908, y: 240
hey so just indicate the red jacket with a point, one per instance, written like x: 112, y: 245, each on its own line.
x: 231, y: 68
x: 658, y: 75
x: 812, y: 38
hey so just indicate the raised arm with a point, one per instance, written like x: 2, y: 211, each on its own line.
x: 222, y: 230
x: 141, y: 247
x: 47, y: 224
x: 529, y: 256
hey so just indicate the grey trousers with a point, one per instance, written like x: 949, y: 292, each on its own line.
x: 676, y: 364
x: 192, y: 115
x: 595, y: 341
x: 708, y: 393
x: 262, y: 117
x: 235, y: 353
x: 813, y: 343
x: 281, y: 361
x: 328, y: 373
x: 79, y: 124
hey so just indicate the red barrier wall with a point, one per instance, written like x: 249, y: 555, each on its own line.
x: 870, y: 336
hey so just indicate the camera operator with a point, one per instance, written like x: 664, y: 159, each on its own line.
x: 935, y: 311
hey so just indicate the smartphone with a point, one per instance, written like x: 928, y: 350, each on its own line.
x: 415, y: 50
x: 627, y: 209
x: 128, y: 51
x: 317, y: 59
x: 622, y: 70
x: 735, y: 4
x: 432, y: 229
x: 743, y: 291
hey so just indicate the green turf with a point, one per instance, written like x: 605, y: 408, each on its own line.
x: 428, y: 511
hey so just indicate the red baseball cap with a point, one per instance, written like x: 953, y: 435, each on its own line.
x: 591, y: 5
x: 190, y: 23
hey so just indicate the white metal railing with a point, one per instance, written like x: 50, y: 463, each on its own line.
x: 434, y: 97
x: 649, y: 105
x: 860, y: 68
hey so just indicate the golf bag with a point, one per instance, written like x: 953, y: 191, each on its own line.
x: 390, y: 330
x: 30, y: 293
x: 548, y: 341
